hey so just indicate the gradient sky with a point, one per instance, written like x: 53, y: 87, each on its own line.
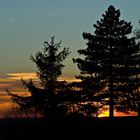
x: 26, y: 24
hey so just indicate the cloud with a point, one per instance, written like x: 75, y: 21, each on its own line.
x: 13, y: 82
x: 68, y: 79
x: 18, y: 76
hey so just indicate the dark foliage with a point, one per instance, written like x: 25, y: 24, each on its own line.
x: 111, y: 64
x: 46, y: 99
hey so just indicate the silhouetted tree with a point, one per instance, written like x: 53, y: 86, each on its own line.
x: 110, y: 65
x: 137, y: 33
x: 49, y: 64
x: 134, y: 99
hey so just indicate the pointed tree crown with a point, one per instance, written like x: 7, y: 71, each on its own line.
x: 50, y: 61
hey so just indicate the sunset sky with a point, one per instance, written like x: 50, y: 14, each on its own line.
x: 26, y: 24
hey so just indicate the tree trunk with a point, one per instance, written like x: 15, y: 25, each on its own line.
x: 138, y: 110
x: 111, y: 103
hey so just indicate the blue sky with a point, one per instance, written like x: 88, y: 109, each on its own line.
x: 26, y: 24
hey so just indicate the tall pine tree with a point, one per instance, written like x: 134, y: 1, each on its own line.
x: 134, y: 99
x: 110, y: 60
x: 49, y: 64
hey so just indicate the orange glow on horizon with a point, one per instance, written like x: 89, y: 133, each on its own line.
x: 12, y: 81
x: 118, y: 114
x: 9, y: 77
x: 33, y: 75
x: 6, y: 106
x: 104, y: 114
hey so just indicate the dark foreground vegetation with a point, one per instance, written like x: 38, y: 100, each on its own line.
x: 69, y: 128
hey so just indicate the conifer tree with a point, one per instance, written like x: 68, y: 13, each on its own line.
x: 134, y: 100
x: 110, y: 60
x: 49, y: 64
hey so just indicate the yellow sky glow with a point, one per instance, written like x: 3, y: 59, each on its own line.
x: 106, y: 114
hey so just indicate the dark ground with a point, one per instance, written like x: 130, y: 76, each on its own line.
x: 70, y: 128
